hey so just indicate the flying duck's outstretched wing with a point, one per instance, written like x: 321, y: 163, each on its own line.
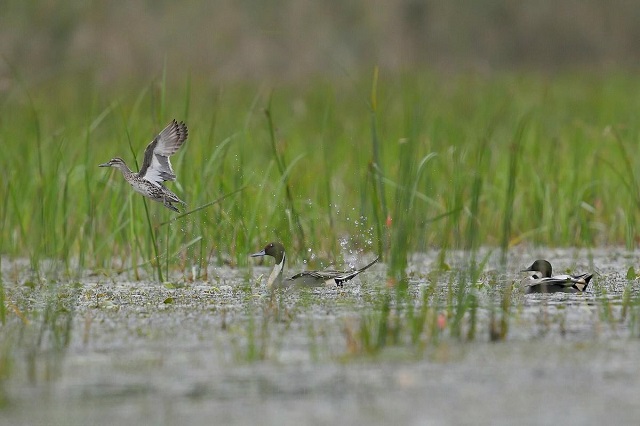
x: 156, y: 167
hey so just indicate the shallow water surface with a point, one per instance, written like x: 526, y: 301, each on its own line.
x: 228, y: 352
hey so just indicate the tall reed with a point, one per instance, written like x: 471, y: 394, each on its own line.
x: 283, y: 169
x: 411, y: 156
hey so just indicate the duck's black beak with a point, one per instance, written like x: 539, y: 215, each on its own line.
x: 107, y: 164
x: 258, y: 254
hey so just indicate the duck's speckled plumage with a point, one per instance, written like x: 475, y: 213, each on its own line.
x: 156, y: 166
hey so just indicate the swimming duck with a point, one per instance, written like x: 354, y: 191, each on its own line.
x: 327, y: 277
x: 541, y: 280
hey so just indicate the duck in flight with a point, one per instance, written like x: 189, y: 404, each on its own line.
x: 327, y: 277
x: 156, y: 167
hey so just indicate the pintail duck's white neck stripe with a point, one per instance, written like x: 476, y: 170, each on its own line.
x: 276, y: 273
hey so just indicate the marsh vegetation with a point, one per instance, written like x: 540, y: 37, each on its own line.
x: 457, y: 183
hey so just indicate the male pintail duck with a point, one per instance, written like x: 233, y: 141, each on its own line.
x: 156, y: 167
x: 541, y: 280
x: 328, y: 277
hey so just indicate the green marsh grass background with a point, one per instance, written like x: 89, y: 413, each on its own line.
x: 388, y: 127
x: 445, y: 145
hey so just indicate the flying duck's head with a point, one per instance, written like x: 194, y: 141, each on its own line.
x: 114, y: 162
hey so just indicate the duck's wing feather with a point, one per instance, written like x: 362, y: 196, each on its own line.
x: 326, y: 274
x: 566, y: 282
x: 156, y: 167
x: 340, y: 277
x: 560, y: 281
x: 581, y: 282
x: 583, y: 278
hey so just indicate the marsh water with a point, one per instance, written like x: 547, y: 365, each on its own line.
x: 226, y: 351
